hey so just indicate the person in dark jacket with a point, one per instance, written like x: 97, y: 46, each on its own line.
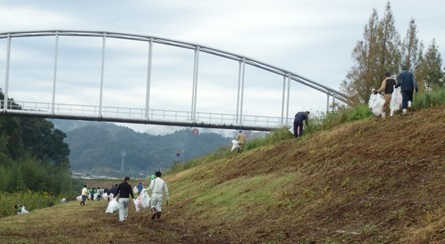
x: 298, y: 123
x: 114, y: 190
x: 111, y: 192
x: 408, y: 82
x: 124, y: 190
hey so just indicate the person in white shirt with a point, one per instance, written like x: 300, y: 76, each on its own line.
x: 84, y: 195
x: 158, y: 187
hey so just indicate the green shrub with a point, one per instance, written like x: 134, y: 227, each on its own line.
x: 429, y: 99
x: 30, y: 199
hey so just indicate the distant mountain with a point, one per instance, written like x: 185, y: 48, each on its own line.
x: 67, y: 125
x: 97, y: 147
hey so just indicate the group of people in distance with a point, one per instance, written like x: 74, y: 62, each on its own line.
x: 123, y: 191
x: 406, y: 80
x: 93, y: 194
x: 407, y: 83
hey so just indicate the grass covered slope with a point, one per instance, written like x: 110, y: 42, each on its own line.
x: 368, y: 181
x: 372, y: 181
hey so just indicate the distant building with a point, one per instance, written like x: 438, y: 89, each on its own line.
x: 76, y: 175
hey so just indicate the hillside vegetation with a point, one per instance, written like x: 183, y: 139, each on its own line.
x: 370, y: 181
x: 97, y: 148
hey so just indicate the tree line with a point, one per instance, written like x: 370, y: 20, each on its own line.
x: 382, y: 50
x: 33, y: 155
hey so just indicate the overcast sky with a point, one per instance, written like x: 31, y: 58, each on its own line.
x: 311, y: 38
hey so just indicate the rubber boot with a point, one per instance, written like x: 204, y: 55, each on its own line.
x: 153, y: 213
x: 383, y: 115
x: 158, y: 215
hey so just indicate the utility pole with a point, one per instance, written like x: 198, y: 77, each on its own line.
x: 123, y: 153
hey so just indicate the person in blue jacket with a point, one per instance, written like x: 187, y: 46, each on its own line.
x: 298, y: 123
x: 140, y: 186
x: 408, y: 82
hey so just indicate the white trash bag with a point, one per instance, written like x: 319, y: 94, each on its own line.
x: 24, y: 211
x: 235, y: 145
x: 135, y: 190
x: 79, y: 198
x: 137, y: 203
x: 396, y: 100
x: 21, y: 210
x: 145, y: 200
x: 375, y: 103
x: 113, y: 206
x: 142, y: 201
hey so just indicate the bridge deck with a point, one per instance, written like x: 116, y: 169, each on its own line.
x: 138, y: 115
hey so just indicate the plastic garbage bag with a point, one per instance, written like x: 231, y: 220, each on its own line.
x: 79, y: 198
x: 145, y: 200
x: 291, y: 130
x: 113, y: 206
x: 396, y: 100
x: 235, y: 145
x: 105, y: 196
x: 375, y: 103
x: 135, y: 189
x: 142, y: 201
x: 24, y: 211
x: 137, y: 204
x: 21, y: 209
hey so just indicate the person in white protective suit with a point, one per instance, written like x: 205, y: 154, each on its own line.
x: 158, y: 188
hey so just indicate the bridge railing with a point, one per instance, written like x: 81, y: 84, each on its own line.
x: 137, y: 115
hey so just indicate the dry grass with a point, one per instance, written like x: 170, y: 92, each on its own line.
x: 374, y: 181
x: 72, y: 223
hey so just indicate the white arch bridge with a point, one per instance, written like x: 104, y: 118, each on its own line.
x: 127, y: 78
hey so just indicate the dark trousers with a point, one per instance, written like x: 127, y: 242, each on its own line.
x: 406, y: 96
x: 84, y: 198
x: 298, y: 128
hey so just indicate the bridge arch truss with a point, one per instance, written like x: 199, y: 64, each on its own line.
x: 147, y: 114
